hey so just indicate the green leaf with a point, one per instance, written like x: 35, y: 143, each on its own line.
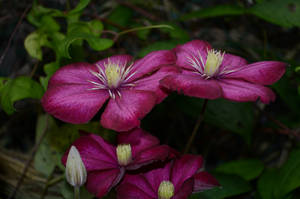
x: 248, y: 169
x: 45, y: 158
x: 288, y: 176
x: 284, y: 13
x: 49, y: 24
x: 120, y: 15
x: 266, y: 184
x: 80, y: 6
x: 95, y: 42
x: 49, y: 69
x: 231, y: 185
x: 216, y: 11
x: 33, y: 43
x: 38, y: 12
x: 160, y: 45
x: 18, y: 89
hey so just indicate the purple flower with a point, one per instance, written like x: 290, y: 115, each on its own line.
x: 208, y: 73
x: 76, y: 92
x: 176, y: 180
x: 106, y: 164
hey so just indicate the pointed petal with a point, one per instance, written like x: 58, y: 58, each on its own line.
x: 232, y: 62
x: 124, y: 113
x: 151, y: 83
x: 135, y: 187
x: 138, y: 139
x: 191, y: 50
x: 185, y: 168
x: 185, y: 190
x: 241, y: 91
x: 264, y: 73
x: 192, y: 85
x: 121, y: 60
x: 152, y: 62
x: 96, y: 154
x: 204, y: 181
x: 149, y: 156
x: 100, y: 182
x: 69, y: 96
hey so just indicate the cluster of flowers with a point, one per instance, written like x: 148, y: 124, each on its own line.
x: 138, y: 165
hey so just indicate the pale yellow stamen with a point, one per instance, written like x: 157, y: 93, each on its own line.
x: 213, y: 61
x: 165, y: 190
x: 113, y: 75
x: 124, y: 154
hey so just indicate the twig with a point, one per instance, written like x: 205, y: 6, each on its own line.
x: 34, y: 69
x: 30, y: 159
x: 196, y: 127
x: 13, y: 33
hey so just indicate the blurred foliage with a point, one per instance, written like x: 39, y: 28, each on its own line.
x: 262, y: 164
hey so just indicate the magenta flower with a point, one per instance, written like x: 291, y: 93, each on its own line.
x: 106, y: 164
x: 76, y: 92
x: 176, y: 180
x: 208, y: 73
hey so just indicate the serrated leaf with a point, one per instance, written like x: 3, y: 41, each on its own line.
x: 248, y: 169
x: 288, y: 176
x: 284, y: 13
x: 18, y: 89
x: 231, y: 185
x: 33, y: 43
x: 219, y: 10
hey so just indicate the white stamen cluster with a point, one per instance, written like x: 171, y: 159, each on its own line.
x: 112, y: 77
x: 211, y: 68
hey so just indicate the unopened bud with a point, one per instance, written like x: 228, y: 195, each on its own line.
x: 75, y: 169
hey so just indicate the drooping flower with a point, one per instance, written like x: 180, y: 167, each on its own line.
x: 176, y: 180
x: 106, y: 163
x: 76, y: 92
x: 208, y: 73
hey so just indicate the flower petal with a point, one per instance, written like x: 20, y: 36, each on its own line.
x: 191, y: 51
x: 138, y: 139
x: 241, y: 91
x: 135, y: 187
x: 69, y: 96
x: 264, y: 73
x: 151, y: 83
x: 185, y: 190
x: 124, y: 113
x: 204, y: 181
x: 121, y: 60
x: 185, y: 168
x: 148, y: 156
x: 232, y: 62
x: 152, y: 62
x: 100, y: 182
x: 95, y: 153
x: 192, y: 85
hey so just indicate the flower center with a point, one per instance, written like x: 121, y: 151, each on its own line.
x: 165, y: 190
x: 213, y: 61
x: 113, y: 76
x: 124, y: 154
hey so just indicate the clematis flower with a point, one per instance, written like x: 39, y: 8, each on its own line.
x: 76, y: 92
x: 176, y: 180
x: 211, y: 74
x: 106, y: 163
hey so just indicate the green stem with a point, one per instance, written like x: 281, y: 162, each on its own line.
x: 144, y: 28
x: 76, y: 192
x: 196, y: 127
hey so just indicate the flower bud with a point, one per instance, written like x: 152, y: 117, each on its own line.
x: 75, y: 169
x: 166, y: 190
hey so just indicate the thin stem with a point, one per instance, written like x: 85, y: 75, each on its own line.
x: 76, y: 192
x: 144, y: 28
x: 13, y: 33
x: 30, y: 159
x: 196, y: 127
